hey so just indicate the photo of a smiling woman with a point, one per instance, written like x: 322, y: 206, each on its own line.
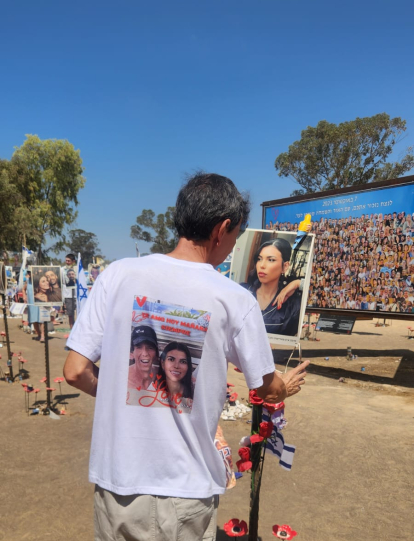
x: 278, y: 296
x: 176, y: 369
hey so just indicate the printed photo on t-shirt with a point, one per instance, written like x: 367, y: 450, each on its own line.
x: 165, y: 351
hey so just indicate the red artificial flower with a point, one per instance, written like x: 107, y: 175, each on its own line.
x: 266, y: 429
x: 271, y: 408
x: 235, y: 527
x: 59, y: 380
x: 244, y: 465
x: 254, y: 398
x: 42, y: 380
x: 256, y: 438
x: 244, y: 453
x: 230, y: 385
x: 233, y: 397
x: 283, y: 532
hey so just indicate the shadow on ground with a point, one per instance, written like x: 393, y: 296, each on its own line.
x: 222, y: 536
x: 403, y: 377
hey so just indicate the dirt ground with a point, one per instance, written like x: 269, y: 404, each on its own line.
x: 352, y: 476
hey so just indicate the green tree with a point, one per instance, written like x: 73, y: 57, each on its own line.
x: 10, y: 199
x: 348, y: 154
x: 163, y: 236
x: 49, y: 182
x: 85, y: 243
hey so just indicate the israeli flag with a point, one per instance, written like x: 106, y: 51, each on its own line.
x: 26, y: 254
x: 81, y: 287
x: 276, y: 446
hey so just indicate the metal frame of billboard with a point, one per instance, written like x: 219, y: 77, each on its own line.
x: 366, y: 188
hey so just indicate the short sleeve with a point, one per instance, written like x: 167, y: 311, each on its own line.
x: 87, y: 333
x: 250, y: 349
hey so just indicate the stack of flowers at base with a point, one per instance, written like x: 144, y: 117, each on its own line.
x: 273, y: 422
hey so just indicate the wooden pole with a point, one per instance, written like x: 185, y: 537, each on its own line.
x: 256, y: 476
x: 48, y: 393
x: 6, y: 329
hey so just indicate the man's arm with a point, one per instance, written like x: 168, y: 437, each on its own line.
x: 81, y: 373
x: 276, y: 388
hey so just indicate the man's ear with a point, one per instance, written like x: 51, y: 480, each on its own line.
x: 222, y: 229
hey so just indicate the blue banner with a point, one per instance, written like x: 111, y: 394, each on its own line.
x: 382, y: 201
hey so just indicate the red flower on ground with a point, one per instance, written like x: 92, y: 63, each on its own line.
x: 254, y: 398
x: 244, y: 465
x: 266, y: 429
x: 59, y: 380
x: 233, y: 397
x: 235, y: 527
x: 283, y: 532
x: 256, y: 438
x: 244, y: 453
x: 42, y: 380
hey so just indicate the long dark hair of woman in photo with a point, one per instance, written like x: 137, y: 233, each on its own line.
x: 266, y: 281
x: 176, y: 369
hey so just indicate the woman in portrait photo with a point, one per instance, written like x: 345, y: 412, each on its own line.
x: 41, y: 288
x: 279, y: 301
x: 176, y: 369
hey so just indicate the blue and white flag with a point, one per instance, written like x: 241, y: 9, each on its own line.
x: 26, y: 254
x: 276, y: 446
x: 81, y: 288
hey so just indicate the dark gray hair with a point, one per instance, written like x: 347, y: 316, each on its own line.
x: 206, y: 200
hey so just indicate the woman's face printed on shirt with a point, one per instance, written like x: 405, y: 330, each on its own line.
x: 270, y: 265
x: 175, y: 365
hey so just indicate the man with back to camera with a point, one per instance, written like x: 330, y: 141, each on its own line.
x: 156, y: 470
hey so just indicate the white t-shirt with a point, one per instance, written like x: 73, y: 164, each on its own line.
x: 143, y: 442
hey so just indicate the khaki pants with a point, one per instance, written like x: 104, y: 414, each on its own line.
x: 153, y: 518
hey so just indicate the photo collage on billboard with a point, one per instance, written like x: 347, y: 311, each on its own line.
x: 266, y: 264
x: 47, y: 285
x: 165, y: 351
x: 364, y: 253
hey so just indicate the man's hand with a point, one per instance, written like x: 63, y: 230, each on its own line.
x: 295, y: 378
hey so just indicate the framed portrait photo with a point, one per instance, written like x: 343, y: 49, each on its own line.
x: 47, y: 285
x: 277, y: 272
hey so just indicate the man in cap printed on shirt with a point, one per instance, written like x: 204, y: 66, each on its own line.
x: 144, y: 357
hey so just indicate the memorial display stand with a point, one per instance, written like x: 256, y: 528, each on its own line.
x: 6, y: 330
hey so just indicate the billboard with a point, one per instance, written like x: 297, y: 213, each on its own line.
x: 265, y: 263
x: 364, y: 253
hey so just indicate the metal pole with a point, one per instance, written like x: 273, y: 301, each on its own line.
x: 256, y: 476
x: 6, y: 328
x: 75, y: 314
x: 48, y: 393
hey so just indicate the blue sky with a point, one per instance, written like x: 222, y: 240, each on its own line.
x: 151, y: 90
